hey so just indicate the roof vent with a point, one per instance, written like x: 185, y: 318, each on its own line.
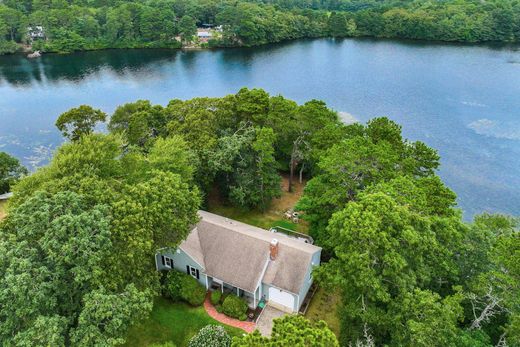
x: 273, y: 249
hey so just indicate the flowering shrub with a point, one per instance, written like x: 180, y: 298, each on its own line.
x: 211, y: 335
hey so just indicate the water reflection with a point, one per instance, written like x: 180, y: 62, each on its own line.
x: 19, y: 71
x: 461, y: 99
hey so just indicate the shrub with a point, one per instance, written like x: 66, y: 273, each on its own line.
x: 211, y: 335
x: 179, y: 286
x: 219, y: 308
x: 173, y: 284
x: 215, y: 297
x: 242, y: 317
x: 192, y: 291
x: 234, y: 306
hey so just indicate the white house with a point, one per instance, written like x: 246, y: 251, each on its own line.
x: 227, y: 255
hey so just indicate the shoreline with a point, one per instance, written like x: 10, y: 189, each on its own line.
x: 26, y: 49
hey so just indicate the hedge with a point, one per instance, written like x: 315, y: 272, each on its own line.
x: 182, y: 286
x: 235, y: 307
x: 215, y: 297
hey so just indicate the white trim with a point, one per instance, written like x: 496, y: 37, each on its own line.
x: 259, y: 283
x: 207, y: 286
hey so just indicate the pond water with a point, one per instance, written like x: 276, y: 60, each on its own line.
x: 463, y: 100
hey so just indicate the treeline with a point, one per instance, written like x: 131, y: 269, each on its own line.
x: 82, y: 25
x: 77, y: 247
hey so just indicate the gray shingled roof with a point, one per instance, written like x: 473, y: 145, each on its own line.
x: 238, y: 254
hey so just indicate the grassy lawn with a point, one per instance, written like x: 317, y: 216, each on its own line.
x: 2, y: 209
x: 323, y: 307
x: 273, y: 216
x: 175, y: 322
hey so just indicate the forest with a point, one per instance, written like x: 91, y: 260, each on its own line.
x: 77, y: 246
x: 72, y: 25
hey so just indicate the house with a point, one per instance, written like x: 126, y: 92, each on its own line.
x: 6, y: 196
x: 256, y: 264
x: 204, y: 35
x: 36, y: 32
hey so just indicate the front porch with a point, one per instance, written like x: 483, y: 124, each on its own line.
x: 253, y: 299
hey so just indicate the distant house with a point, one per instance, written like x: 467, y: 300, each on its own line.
x: 36, y: 32
x: 254, y: 263
x: 204, y: 35
x: 6, y: 196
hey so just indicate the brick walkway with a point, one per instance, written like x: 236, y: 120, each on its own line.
x: 222, y: 318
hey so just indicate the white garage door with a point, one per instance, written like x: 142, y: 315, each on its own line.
x: 281, y: 300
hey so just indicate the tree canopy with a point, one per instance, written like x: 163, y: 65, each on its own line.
x: 67, y: 26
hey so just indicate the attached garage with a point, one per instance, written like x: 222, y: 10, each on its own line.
x: 281, y: 300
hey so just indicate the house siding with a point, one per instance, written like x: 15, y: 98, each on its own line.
x: 180, y: 260
x: 316, y: 258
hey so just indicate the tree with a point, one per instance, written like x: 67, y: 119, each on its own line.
x: 187, y: 28
x: 367, y: 156
x: 382, y: 252
x: 10, y: 172
x: 290, y: 330
x: 424, y: 319
x: 211, y: 335
x: 173, y: 155
x: 79, y: 121
x: 52, y: 262
x: 340, y: 25
x: 105, y: 317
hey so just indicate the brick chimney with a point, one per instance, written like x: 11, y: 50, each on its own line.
x: 273, y: 249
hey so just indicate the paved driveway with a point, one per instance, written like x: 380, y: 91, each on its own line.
x: 265, y: 323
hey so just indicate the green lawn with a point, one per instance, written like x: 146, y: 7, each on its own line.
x: 324, y: 306
x: 175, y: 322
x: 273, y: 216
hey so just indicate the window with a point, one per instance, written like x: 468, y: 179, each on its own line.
x: 190, y: 270
x: 167, y: 262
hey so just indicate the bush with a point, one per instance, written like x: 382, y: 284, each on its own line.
x: 215, y: 297
x: 192, y: 291
x: 173, y: 284
x: 179, y: 286
x: 242, y: 317
x: 219, y: 308
x: 211, y: 335
x: 234, y: 306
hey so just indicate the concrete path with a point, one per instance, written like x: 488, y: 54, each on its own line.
x: 222, y: 318
x: 265, y: 323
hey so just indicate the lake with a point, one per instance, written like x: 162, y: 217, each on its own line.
x: 463, y: 100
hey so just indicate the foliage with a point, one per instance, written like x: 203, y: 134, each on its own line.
x: 211, y: 335
x: 51, y: 269
x: 234, y: 306
x: 290, y: 330
x: 106, y: 317
x: 79, y: 121
x: 173, y: 284
x: 10, y: 172
x: 192, y: 291
x: 368, y: 155
x: 81, y: 236
x: 77, y: 24
x: 215, y: 297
